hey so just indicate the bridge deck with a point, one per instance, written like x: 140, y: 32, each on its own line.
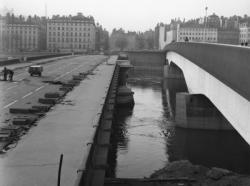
x: 229, y: 64
x: 66, y: 130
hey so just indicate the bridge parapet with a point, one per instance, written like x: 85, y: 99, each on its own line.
x: 229, y: 64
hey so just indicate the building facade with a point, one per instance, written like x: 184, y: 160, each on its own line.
x: 228, y: 36
x: 245, y: 33
x: 197, y: 34
x: 20, y: 37
x: 71, y: 34
x: 2, y: 28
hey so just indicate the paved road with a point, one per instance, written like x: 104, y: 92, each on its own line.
x: 66, y: 129
x: 25, y: 90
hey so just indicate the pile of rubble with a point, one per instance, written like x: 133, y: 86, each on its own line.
x: 200, y: 175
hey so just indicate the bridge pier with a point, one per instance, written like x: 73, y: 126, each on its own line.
x: 195, y: 111
x: 173, y: 72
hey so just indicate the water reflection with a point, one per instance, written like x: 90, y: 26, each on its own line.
x: 145, y: 138
x: 225, y: 149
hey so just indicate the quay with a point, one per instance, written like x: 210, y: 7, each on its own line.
x: 68, y: 129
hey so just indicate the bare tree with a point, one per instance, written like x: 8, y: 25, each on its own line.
x: 121, y: 42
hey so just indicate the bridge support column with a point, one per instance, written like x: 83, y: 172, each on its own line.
x: 172, y: 72
x: 195, y: 111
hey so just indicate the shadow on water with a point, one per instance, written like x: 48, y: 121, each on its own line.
x: 225, y: 149
x: 144, y: 139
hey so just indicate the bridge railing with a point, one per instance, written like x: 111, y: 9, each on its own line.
x: 230, y: 64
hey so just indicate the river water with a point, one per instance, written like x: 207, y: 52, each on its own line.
x: 145, y: 138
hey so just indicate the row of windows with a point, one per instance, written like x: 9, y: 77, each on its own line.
x: 198, y: 38
x: 22, y: 38
x: 199, y: 33
x: 67, y: 28
x: 68, y: 40
x: 67, y: 34
x: 245, y: 35
x: 72, y: 24
x: 23, y: 44
x: 22, y: 28
x: 198, y: 29
x: 71, y: 46
x: 21, y: 32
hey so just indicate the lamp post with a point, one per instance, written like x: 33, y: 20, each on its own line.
x: 205, y: 34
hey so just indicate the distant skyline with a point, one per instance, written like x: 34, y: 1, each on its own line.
x: 132, y: 15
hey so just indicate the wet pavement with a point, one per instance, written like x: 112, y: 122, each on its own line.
x: 66, y: 129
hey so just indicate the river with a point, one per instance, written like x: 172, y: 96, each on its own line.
x: 145, y: 138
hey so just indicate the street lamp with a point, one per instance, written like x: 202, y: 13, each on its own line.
x: 205, y: 24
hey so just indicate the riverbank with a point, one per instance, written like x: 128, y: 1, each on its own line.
x: 200, y: 175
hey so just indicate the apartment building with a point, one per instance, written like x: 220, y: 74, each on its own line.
x: 245, y: 33
x: 20, y: 37
x: 2, y: 27
x: 71, y: 34
x: 197, y: 34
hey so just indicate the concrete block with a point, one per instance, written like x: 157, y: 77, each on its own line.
x: 21, y: 121
x: 103, y: 138
x: 106, y: 125
x: 74, y: 82
x: 78, y: 77
x: 41, y: 108
x: 110, y: 107
x: 20, y: 110
x: 50, y: 101
x: 111, y: 101
x: 65, y: 89
x: 98, y: 177
x: 100, y: 156
x: 108, y: 115
x: 52, y: 95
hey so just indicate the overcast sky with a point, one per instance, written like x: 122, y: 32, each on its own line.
x: 134, y: 15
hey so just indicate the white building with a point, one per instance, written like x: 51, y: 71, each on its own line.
x: 171, y: 36
x: 197, y: 34
x: 68, y: 34
x: 20, y: 37
x: 162, y: 37
x: 245, y: 33
x: 2, y: 27
x: 166, y: 37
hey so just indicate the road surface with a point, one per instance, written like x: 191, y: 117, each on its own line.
x: 66, y: 129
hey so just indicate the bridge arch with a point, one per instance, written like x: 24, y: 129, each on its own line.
x: 221, y: 74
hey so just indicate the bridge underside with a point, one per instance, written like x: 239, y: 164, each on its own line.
x: 232, y: 105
